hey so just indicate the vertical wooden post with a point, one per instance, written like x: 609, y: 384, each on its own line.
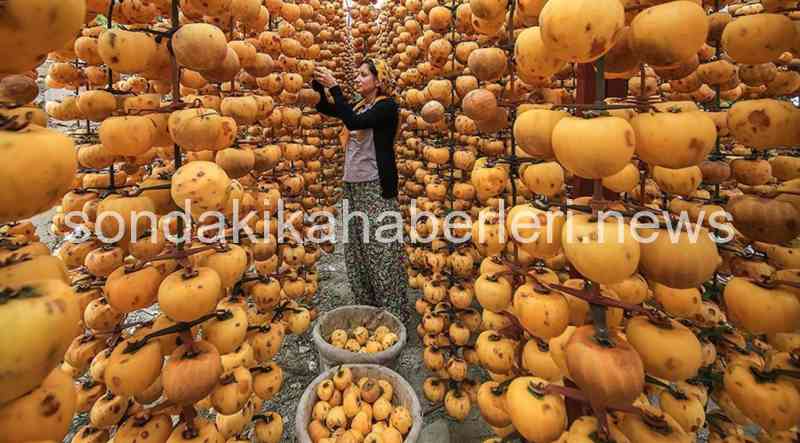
x: 176, y: 98
x: 585, y: 83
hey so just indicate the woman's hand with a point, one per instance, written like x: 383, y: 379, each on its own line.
x: 324, y: 77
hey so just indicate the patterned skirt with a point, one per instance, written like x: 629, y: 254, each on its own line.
x: 374, y: 265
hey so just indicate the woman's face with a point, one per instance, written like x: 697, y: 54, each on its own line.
x: 367, y: 83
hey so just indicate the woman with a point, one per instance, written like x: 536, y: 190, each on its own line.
x: 374, y: 268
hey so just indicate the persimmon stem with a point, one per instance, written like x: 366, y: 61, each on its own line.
x: 792, y: 284
x: 137, y: 190
x: 183, y: 328
x: 673, y: 390
x: 8, y: 294
x: 771, y: 376
x: 188, y: 338
x: 188, y: 414
x: 183, y: 253
x: 595, y: 297
x: 656, y: 423
x: 598, y: 313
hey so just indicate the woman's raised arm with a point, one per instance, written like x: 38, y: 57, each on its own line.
x: 323, y: 106
x: 380, y: 114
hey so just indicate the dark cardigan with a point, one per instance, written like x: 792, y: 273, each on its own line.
x: 382, y: 118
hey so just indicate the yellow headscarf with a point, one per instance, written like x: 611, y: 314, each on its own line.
x: 385, y: 76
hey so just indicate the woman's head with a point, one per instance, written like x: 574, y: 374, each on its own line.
x: 367, y: 80
x: 374, y: 76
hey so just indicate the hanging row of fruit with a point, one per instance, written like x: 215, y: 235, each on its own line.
x: 602, y: 336
x: 365, y: 31
x: 175, y: 105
